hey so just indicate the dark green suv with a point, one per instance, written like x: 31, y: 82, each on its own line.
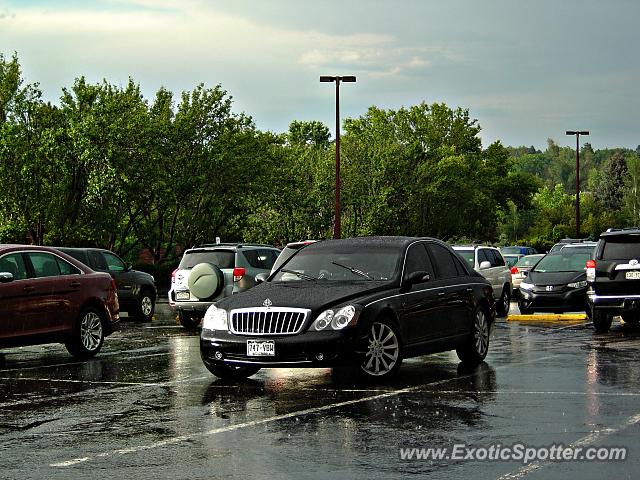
x: 613, y: 277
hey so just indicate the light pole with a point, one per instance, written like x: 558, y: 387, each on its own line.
x: 577, y: 133
x: 337, y: 80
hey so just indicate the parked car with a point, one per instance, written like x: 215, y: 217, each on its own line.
x: 368, y: 301
x: 208, y: 273
x: 568, y: 241
x: 521, y: 269
x: 49, y: 297
x: 518, y: 249
x: 137, y: 291
x: 489, y: 262
x: 288, y: 251
x: 613, y: 277
x: 558, y: 282
x: 511, y: 259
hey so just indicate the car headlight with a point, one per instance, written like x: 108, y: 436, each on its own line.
x: 526, y: 286
x: 337, y: 319
x: 580, y: 284
x: 215, y: 319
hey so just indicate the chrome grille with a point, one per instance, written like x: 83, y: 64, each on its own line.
x: 268, y: 321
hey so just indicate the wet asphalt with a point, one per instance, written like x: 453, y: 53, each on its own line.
x: 146, y: 407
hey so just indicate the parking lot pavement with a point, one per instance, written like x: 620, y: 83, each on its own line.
x: 147, y: 407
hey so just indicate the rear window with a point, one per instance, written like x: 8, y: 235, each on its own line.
x: 219, y: 258
x: 261, y: 258
x: 621, y: 248
x: 466, y: 255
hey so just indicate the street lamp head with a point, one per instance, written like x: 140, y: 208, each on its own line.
x: 577, y: 132
x: 331, y: 78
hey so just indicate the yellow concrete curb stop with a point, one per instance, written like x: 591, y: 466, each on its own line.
x: 545, y: 317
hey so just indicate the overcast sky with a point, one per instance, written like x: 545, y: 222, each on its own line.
x: 526, y: 69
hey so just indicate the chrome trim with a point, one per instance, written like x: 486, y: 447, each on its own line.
x: 613, y: 297
x: 627, y: 266
x: 251, y: 362
x: 255, y: 322
x: 425, y: 290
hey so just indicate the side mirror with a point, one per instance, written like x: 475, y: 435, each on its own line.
x: 6, y: 277
x: 525, y: 273
x: 484, y: 265
x: 415, y: 277
x: 128, y: 267
x: 261, y: 277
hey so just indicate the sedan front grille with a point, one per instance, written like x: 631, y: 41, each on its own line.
x: 268, y: 321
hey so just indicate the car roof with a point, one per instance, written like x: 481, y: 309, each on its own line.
x: 373, y: 241
x: 471, y: 247
x: 614, y: 232
x: 227, y: 246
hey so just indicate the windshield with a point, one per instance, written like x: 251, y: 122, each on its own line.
x: 505, y: 250
x: 573, y: 261
x: 511, y: 260
x: 341, y: 263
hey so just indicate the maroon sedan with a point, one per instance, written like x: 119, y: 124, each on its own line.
x: 49, y: 297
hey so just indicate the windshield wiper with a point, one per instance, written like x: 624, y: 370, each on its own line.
x: 355, y: 270
x: 299, y: 274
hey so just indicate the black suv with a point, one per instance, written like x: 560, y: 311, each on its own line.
x: 613, y: 277
x: 136, y: 290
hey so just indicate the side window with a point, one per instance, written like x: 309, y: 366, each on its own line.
x: 444, y: 261
x: 114, y: 264
x: 44, y: 264
x: 97, y: 261
x: 13, y: 263
x: 499, y: 260
x: 482, y: 256
x: 418, y: 260
x: 460, y: 266
x: 66, y: 268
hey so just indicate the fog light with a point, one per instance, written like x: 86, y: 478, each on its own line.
x: 218, y: 355
x: 320, y: 356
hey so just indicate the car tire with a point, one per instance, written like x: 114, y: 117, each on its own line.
x: 146, y: 306
x: 88, y: 334
x: 205, y: 281
x: 632, y: 318
x: 187, y: 321
x: 524, y: 310
x: 474, y: 351
x: 601, y: 321
x: 226, y: 372
x: 503, y: 304
x: 383, y: 353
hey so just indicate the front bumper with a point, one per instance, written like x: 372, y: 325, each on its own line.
x: 574, y: 299
x: 309, y: 349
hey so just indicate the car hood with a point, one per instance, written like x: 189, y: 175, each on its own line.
x: 315, y: 296
x: 554, y: 278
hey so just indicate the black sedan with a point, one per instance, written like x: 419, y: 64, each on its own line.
x: 368, y: 301
x: 558, y: 282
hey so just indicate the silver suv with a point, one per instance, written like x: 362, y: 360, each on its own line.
x: 488, y: 261
x: 209, y: 273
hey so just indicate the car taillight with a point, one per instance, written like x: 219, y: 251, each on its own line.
x: 591, y: 270
x: 238, y: 273
x: 514, y: 270
x: 173, y: 276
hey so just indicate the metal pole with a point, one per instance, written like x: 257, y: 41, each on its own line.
x: 578, y: 185
x: 337, y: 226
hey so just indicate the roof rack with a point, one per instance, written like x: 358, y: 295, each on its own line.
x: 237, y: 245
x: 621, y: 229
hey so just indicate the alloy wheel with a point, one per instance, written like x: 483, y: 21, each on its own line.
x: 146, y: 305
x: 91, y: 331
x: 383, y: 350
x: 481, y: 332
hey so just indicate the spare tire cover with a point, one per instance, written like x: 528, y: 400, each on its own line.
x: 205, y: 280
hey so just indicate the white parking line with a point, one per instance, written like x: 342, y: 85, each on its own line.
x: 587, y: 440
x: 298, y: 413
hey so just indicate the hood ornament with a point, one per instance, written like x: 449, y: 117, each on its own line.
x: 267, y: 303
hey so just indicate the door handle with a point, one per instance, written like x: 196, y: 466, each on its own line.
x: 441, y: 294
x: 74, y: 284
x: 469, y: 289
x: 29, y: 288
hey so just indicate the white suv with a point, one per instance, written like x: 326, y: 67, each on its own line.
x: 209, y: 273
x: 488, y: 261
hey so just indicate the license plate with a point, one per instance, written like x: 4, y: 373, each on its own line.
x: 261, y: 349
x: 633, y: 275
x: 182, y: 295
